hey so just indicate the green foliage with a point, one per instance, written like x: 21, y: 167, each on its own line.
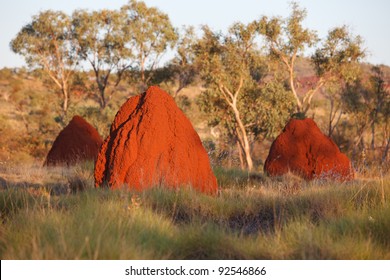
x: 245, y: 96
x: 368, y: 105
x: 287, y: 38
x: 231, y: 67
x: 151, y: 34
x: 27, y: 121
x: 216, y: 109
x: 99, y: 119
x: 275, y: 106
x: 264, y: 110
x: 102, y: 40
x: 336, y: 58
x: 226, y: 60
x: 339, y: 55
x: 47, y: 42
x: 181, y: 72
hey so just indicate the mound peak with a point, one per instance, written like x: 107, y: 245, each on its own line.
x: 152, y: 143
x: 305, y: 151
x: 78, y: 141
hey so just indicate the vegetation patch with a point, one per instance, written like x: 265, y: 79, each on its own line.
x: 261, y: 221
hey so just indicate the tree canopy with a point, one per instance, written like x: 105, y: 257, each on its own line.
x: 103, y: 43
x: 232, y: 67
x: 288, y: 38
x: 248, y: 76
x: 47, y: 42
x: 151, y: 35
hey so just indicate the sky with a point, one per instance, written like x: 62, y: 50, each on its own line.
x: 369, y: 19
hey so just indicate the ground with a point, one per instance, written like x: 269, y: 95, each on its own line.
x: 55, y: 213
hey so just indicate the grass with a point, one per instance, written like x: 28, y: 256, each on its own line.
x: 57, y: 214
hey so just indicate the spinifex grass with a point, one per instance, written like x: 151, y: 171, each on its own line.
x: 263, y: 219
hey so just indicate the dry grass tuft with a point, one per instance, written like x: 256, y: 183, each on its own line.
x: 57, y: 214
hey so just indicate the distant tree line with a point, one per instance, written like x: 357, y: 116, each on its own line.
x: 248, y: 93
x: 111, y: 42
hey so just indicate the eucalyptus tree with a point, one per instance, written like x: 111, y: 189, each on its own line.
x: 151, y: 35
x: 287, y: 39
x: 103, y: 43
x: 368, y: 104
x: 227, y: 64
x: 181, y: 71
x: 47, y: 42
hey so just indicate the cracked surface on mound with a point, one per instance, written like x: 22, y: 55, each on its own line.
x: 78, y: 141
x: 152, y: 143
x: 305, y: 151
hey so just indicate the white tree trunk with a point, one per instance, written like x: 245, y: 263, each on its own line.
x: 243, y: 137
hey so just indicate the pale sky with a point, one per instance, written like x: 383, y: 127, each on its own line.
x: 369, y: 19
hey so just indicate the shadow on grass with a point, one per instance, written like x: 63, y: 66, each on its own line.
x: 228, y: 178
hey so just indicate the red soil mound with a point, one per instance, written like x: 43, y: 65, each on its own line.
x: 153, y: 143
x: 305, y: 151
x: 78, y: 141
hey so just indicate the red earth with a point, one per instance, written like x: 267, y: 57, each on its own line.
x: 305, y: 151
x: 78, y: 141
x: 152, y: 143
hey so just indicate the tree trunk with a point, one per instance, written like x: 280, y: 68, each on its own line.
x: 373, y: 140
x: 142, y: 69
x: 239, y: 148
x: 143, y: 75
x: 103, y: 102
x: 292, y: 86
x: 332, y: 117
x: 386, y: 151
x: 373, y: 136
x: 243, y: 137
x: 65, y: 94
x: 248, y: 154
x: 299, y: 104
x: 330, y: 129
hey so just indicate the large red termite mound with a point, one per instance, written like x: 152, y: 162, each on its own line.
x: 152, y: 143
x: 78, y: 141
x: 305, y: 151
